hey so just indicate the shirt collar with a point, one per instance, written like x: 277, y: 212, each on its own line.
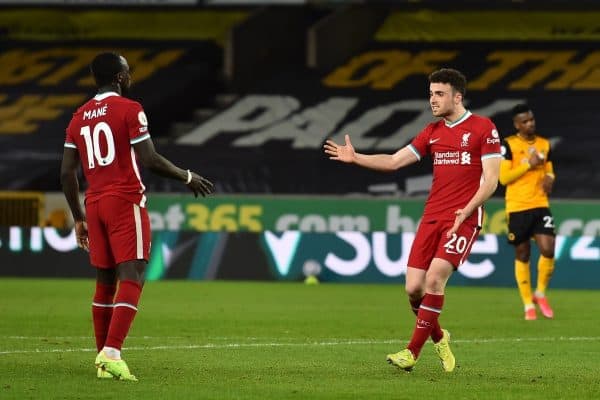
x: 102, y: 96
x: 463, y: 118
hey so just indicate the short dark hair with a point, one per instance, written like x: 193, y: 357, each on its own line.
x: 520, y: 109
x: 105, y: 67
x: 452, y: 76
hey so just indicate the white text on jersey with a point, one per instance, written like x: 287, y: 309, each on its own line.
x: 98, y: 112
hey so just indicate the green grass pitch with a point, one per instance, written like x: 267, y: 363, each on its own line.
x: 242, y: 340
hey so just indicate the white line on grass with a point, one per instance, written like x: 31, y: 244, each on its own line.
x: 340, y: 342
x: 85, y: 337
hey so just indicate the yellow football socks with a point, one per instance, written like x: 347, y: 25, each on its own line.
x: 545, y: 270
x: 523, y: 276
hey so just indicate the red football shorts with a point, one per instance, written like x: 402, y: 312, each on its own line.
x: 118, y: 231
x: 431, y: 242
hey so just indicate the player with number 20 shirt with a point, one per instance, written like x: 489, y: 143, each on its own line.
x: 465, y: 151
x: 457, y: 150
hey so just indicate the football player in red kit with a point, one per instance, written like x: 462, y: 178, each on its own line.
x: 465, y: 150
x: 107, y: 136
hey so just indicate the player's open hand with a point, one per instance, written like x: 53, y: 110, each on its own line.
x: 200, y: 185
x: 344, y: 153
x: 81, y: 234
x: 461, y: 215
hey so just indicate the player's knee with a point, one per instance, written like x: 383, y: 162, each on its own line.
x: 523, y: 255
x: 106, y: 276
x: 435, y: 284
x: 132, y: 271
x: 414, y: 292
x: 548, y: 253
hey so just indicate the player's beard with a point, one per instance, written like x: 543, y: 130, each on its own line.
x: 440, y: 113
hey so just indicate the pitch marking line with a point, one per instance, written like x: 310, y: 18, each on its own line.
x: 84, y: 337
x: 306, y: 344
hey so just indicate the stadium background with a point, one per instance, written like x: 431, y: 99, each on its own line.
x: 246, y: 92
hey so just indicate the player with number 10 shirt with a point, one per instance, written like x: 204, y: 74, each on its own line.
x: 107, y: 136
x: 103, y: 130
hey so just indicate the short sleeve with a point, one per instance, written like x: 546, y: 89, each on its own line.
x: 490, y: 141
x: 506, y: 150
x: 420, y: 144
x: 137, y: 123
x: 69, y: 140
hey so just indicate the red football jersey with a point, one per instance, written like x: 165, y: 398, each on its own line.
x: 457, y: 150
x: 103, y: 130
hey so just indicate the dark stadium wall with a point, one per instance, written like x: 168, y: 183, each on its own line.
x: 283, y: 109
x: 377, y: 95
x: 272, y: 38
x: 176, y: 67
x: 342, y: 33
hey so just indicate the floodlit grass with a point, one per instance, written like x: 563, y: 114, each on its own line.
x: 234, y: 340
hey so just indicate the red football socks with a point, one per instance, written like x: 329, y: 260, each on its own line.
x: 102, y: 309
x: 124, y: 312
x: 427, y: 318
x: 436, y: 330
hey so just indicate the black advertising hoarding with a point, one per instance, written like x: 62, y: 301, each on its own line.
x: 48, y: 252
x: 42, y: 252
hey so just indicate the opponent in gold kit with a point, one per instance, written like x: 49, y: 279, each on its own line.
x: 528, y: 175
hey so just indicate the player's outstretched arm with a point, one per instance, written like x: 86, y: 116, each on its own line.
x: 158, y: 164
x: 380, y: 162
x: 340, y: 152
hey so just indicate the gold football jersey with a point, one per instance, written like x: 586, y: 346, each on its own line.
x: 525, y: 192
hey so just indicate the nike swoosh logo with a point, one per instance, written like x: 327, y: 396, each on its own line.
x: 432, y: 141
